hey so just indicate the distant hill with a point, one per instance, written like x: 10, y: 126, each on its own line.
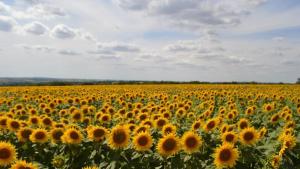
x: 42, y: 81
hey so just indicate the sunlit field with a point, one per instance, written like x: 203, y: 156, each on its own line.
x: 150, y: 126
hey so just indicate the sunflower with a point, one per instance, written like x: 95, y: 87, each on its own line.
x: 21, y: 164
x: 56, y: 135
x: 210, y: 125
x: 72, y: 136
x: 191, y: 142
x: 96, y: 133
x: 276, y: 160
x: 168, y: 145
x: 160, y: 122
x: 226, y: 156
x: 289, y: 141
x: 119, y: 137
x: 229, y: 137
x: 142, y: 141
x: 141, y: 128
x: 262, y: 132
x: 3, y: 122
x: 249, y: 136
x: 169, y: 129
x: 8, y: 153
x: 23, y: 134
x: 243, y: 123
x: 39, y: 136
x: 34, y: 120
x: 196, y: 125
x: 13, y: 125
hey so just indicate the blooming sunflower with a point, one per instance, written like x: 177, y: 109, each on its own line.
x: 169, y: 129
x: 7, y: 153
x: 249, y: 136
x: 142, y: 141
x: 210, y: 125
x: 23, y: 134
x: 72, y: 136
x: 21, y: 164
x: 39, y: 136
x: 119, y: 137
x: 56, y: 135
x: 168, y: 145
x: 229, y: 137
x: 96, y: 133
x: 191, y: 142
x: 243, y: 123
x: 13, y: 125
x: 226, y: 156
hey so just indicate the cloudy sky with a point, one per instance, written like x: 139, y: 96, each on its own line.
x: 206, y: 40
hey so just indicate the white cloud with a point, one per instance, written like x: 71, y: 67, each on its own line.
x: 40, y: 48
x: 278, y: 39
x: 36, y: 28
x: 63, y: 32
x: 4, y: 8
x: 68, y: 52
x: 118, y: 47
x: 7, y: 24
x: 133, y: 4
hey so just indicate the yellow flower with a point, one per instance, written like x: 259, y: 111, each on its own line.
x: 229, y: 137
x: 96, y: 133
x: 72, y: 136
x: 169, y: 129
x: 39, y: 136
x: 249, y: 136
x: 7, y: 153
x: 56, y: 135
x: 23, y: 134
x: 226, y: 156
x: 168, y: 145
x: 142, y: 141
x: 119, y: 137
x: 191, y: 142
x: 23, y: 165
x: 243, y: 123
x: 210, y: 125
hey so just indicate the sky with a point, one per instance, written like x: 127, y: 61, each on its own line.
x: 179, y: 40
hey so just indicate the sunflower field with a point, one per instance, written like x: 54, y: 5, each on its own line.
x: 150, y: 126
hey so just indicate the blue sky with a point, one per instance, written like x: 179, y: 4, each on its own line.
x: 207, y: 40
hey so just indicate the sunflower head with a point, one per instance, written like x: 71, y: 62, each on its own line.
x: 72, y: 136
x: 21, y: 164
x: 226, y: 156
x: 168, y: 145
x: 119, y: 137
x: 142, y: 141
x: 169, y: 129
x: 249, y: 136
x: 191, y: 142
x: 7, y: 153
x: 229, y: 137
x: 56, y: 135
x: 210, y: 125
x: 23, y: 134
x: 97, y: 133
x: 243, y: 123
x: 39, y: 136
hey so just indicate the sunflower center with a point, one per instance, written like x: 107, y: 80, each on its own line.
x: 191, y: 142
x: 169, y: 144
x: 74, y: 135
x: 161, y: 122
x: 77, y: 116
x: 119, y: 137
x: 168, y: 130
x: 225, y: 155
x: 4, y: 153
x: 143, y: 140
x: 211, y: 125
x: 229, y: 137
x: 40, y: 135
x: 47, y: 121
x: 15, y: 125
x: 104, y: 118
x: 243, y: 125
x: 26, y: 133
x: 197, y: 125
x: 98, y: 132
x: 57, y: 135
x: 248, y: 136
